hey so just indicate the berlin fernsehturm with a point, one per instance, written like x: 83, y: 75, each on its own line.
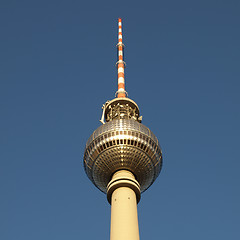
x: 122, y: 157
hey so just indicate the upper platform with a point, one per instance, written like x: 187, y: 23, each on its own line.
x: 121, y: 108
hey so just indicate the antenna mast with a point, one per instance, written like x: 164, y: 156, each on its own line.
x: 121, y: 93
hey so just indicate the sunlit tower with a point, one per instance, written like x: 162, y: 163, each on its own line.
x: 122, y: 157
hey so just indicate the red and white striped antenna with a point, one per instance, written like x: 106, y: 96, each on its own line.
x: 121, y: 93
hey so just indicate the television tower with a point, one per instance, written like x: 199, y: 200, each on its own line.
x: 122, y: 157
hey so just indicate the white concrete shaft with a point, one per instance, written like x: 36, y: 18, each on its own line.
x: 124, y: 217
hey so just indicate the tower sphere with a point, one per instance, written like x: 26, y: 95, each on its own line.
x: 122, y: 143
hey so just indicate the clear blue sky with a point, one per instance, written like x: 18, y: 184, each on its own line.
x: 57, y: 68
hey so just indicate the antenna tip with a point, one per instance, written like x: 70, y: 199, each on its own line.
x: 119, y: 19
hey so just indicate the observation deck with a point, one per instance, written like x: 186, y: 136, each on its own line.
x: 122, y: 143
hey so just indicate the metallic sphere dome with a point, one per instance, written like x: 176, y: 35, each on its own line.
x: 122, y: 144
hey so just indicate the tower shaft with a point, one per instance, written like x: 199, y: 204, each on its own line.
x: 124, y: 217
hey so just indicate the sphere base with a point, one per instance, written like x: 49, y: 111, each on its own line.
x: 123, y: 178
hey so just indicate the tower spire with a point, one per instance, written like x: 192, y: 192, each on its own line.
x: 121, y: 93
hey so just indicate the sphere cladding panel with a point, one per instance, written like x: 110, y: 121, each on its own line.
x: 122, y: 144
